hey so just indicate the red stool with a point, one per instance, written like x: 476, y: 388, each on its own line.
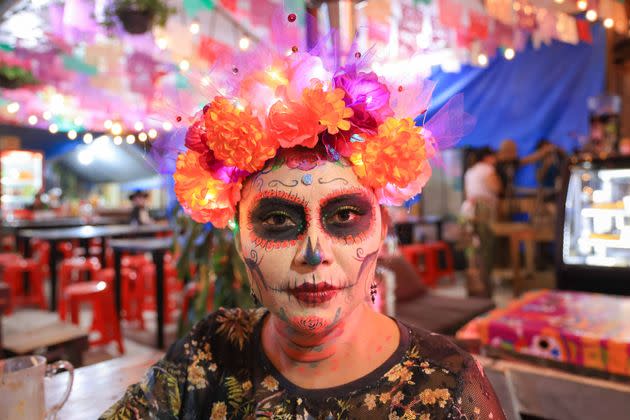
x: 173, y: 288
x: 13, y: 274
x: 7, y: 257
x: 421, y: 258
x: 135, y: 262
x: 425, y: 258
x: 437, y: 248
x: 71, y: 271
x: 100, y: 295
x: 65, y: 248
x: 41, y: 251
x: 131, y: 295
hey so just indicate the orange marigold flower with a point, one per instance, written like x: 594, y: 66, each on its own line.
x: 293, y: 124
x: 204, y: 198
x: 329, y: 106
x: 236, y: 136
x: 396, y: 155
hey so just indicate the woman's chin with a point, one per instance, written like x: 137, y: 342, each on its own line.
x: 310, y: 319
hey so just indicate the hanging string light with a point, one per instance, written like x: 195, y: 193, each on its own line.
x: 162, y: 43
x: 184, y: 65
x: 609, y: 23
x: 138, y: 126
x: 194, y: 27
x: 88, y: 138
x: 591, y: 15
x: 142, y: 136
x: 116, y: 129
x: 47, y: 115
x: 509, y: 53
x: 72, y: 135
x: 13, y: 107
x: 482, y: 60
x: 582, y: 4
x: 53, y: 128
x: 131, y: 139
x: 244, y: 43
x: 153, y: 133
x: 32, y: 120
x: 118, y: 140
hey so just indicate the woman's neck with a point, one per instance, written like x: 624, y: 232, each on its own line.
x: 344, y: 351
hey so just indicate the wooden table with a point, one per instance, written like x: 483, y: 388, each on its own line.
x: 30, y: 331
x: 99, y: 386
x: 518, y: 232
x: 83, y: 233
x: 13, y: 227
x: 157, y: 247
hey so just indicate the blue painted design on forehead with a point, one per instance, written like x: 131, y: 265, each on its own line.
x: 307, y: 179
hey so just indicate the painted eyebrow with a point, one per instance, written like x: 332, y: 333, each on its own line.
x: 272, y: 203
x: 343, y: 195
x: 290, y: 197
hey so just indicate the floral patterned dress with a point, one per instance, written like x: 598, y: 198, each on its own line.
x: 219, y: 371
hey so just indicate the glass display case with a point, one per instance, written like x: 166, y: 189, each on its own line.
x: 595, y: 225
x: 21, y: 177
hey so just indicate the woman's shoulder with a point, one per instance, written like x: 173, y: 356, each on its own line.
x: 439, y: 350
x: 227, y: 330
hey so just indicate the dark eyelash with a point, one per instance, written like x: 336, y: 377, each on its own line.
x: 348, y: 207
x: 274, y: 213
x: 355, y: 209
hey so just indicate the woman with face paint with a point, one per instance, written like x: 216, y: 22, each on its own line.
x: 302, y: 159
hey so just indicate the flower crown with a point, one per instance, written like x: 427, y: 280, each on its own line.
x: 284, y: 101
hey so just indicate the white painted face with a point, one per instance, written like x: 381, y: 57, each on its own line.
x: 310, y: 233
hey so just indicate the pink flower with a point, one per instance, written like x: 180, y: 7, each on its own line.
x: 196, y: 137
x: 365, y: 94
x: 302, y: 68
x: 392, y: 195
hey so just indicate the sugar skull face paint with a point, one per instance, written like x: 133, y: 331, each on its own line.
x: 310, y: 247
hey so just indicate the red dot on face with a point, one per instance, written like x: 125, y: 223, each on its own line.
x: 400, y: 88
x: 179, y: 119
x: 357, y: 55
x: 291, y: 17
x: 379, y: 348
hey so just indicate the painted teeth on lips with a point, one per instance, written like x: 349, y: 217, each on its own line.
x: 314, y: 293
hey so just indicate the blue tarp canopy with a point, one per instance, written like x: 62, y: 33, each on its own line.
x: 541, y: 93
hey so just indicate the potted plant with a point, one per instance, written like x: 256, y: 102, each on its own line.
x: 138, y: 16
x: 207, y: 258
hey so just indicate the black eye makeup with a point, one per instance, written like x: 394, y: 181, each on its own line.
x: 347, y: 216
x: 277, y: 219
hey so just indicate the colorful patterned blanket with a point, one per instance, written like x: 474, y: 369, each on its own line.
x: 583, y: 329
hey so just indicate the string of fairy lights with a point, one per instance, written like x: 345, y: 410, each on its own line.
x: 583, y: 6
x: 114, y: 128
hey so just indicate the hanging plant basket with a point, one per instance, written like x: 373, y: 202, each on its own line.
x: 135, y: 21
x: 12, y: 77
x: 7, y: 83
x: 137, y: 16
